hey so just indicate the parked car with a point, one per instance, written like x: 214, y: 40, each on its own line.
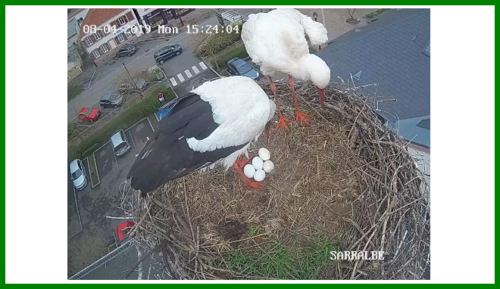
x: 167, y: 52
x: 88, y: 114
x: 119, y: 143
x: 126, y: 50
x: 165, y: 109
x: 122, y: 232
x: 127, y: 88
x: 112, y: 99
x: 237, y: 66
x: 78, y: 174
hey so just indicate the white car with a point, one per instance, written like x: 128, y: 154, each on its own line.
x: 78, y: 174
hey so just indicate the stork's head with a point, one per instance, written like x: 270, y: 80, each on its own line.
x: 318, y: 71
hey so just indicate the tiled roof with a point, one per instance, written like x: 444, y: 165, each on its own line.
x: 98, y: 16
x: 390, y: 53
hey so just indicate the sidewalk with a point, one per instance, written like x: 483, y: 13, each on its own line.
x: 335, y: 19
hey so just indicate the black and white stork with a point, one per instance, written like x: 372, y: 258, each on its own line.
x: 214, y: 124
x: 277, y: 42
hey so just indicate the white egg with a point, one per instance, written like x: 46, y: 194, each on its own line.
x: 259, y: 176
x: 268, y: 166
x: 257, y: 163
x: 249, y: 171
x: 264, y: 154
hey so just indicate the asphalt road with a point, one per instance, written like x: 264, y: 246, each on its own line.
x: 107, y: 74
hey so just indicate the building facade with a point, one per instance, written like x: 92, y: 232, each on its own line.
x: 105, y: 30
x: 154, y: 17
x: 75, y: 20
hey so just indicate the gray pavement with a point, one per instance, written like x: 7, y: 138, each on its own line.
x: 106, y: 74
x: 74, y: 224
x: 104, y: 199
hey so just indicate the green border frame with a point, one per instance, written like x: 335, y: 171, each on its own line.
x: 261, y: 3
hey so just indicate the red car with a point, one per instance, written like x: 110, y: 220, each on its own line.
x: 88, y: 114
x: 122, y: 231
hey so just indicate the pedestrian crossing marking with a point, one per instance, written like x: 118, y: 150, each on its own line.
x: 195, y: 69
x: 180, y: 77
x: 188, y: 73
x: 172, y: 80
x: 203, y: 66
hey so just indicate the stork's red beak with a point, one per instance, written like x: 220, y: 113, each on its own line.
x: 321, y: 93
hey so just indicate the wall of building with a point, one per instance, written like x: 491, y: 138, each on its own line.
x: 422, y: 157
x: 105, y: 39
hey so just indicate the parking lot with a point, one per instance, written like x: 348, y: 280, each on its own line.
x: 94, y: 205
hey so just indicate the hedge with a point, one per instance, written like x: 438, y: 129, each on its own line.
x: 132, y: 115
x: 217, y: 42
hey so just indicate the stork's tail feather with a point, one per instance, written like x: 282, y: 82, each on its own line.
x: 315, y: 30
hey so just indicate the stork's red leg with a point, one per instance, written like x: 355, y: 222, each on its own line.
x: 282, y: 122
x: 299, y: 116
x: 241, y: 163
x: 248, y: 182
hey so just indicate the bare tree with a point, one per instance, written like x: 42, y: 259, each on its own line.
x: 351, y: 13
x: 73, y: 130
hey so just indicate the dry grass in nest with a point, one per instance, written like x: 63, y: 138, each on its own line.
x: 344, y: 178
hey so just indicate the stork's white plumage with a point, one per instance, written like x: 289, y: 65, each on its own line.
x: 276, y: 41
x: 214, y: 124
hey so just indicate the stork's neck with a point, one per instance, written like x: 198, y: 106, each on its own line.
x: 304, y: 67
x: 315, y: 69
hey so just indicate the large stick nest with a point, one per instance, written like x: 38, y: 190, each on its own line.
x: 345, y: 178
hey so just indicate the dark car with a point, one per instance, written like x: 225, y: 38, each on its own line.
x: 237, y: 66
x: 126, y: 50
x: 167, y: 52
x: 112, y: 99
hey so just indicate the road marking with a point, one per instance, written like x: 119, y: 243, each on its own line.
x: 77, y: 210
x: 188, y: 73
x: 96, y: 170
x: 195, y: 69
x: 150, y: 125
x: 203, y: 66
x: 172, y: 80
x: 132, y: 139
x: 180, y: 77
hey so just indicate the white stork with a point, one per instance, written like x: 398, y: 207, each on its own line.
x: 277, y: 42
x: 214, y: 124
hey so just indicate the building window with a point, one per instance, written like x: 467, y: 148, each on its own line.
x: 120, y: 38
x: 128, y: 33
x: 88, y: 41
x: 122, y: 20
x: 79, y: 21
x: 104, y: 48
x: 97, y: 36
x: 96, y: 53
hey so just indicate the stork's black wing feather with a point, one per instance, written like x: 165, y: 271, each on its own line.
x: 167, y: 156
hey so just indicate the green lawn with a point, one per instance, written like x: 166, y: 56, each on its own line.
x: 277, y: 261
x: 142, y: 109
x: 74, y: 91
